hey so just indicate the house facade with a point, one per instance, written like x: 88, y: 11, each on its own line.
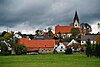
x: 63, y: 30
x: 60, y: 47
x: 91, y: 37
x: 41, y: 46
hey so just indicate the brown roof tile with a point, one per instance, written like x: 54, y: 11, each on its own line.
x: 36, y: 44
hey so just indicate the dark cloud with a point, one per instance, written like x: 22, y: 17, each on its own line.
x: 47, y: 12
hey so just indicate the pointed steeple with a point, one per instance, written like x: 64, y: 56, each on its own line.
x: 76, y: 20
x: 76, y: 17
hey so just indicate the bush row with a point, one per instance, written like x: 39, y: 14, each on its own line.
x: 93, y: 50
x: 19, y: 49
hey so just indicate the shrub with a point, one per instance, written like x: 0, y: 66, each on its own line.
x: 97, y: 50
x: 88, y: 48
x: 68, y: 51
x: 92, y: 49
x: 4, y: 49
x: 21, y: 49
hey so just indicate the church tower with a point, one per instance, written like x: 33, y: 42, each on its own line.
x: 76, y: 21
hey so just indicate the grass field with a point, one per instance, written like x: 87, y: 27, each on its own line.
x: 49, y: 60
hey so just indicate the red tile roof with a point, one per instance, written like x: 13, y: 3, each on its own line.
x: 63, y: 29
x: 36, y: 44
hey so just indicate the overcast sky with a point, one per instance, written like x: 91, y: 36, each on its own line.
x: 29, y: 15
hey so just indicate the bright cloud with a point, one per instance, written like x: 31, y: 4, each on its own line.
x: 95, y: 28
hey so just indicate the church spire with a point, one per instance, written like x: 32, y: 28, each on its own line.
x: 76, y: 20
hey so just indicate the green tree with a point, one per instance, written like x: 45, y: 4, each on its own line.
x: 8, y: 37
x: 88, y: 48
x: 66, y: 39
x: 21, y: 49
x: 75, y: 31
x: 50, y: 33
x: 3, y: 33
x: 86, y: 28
x: 4, y: 49
x: 2, y: 38
x: 97, y: 50
x: 37, y: 32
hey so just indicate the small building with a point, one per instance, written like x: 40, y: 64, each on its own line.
x: 91, y: 37
x: 17, y: 35
x: 41, y: 46
x: 63, y: 30
x: 60, y: 48
x: 74, y: 45
x: 72, y: 42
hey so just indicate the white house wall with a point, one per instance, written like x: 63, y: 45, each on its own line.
x: 93, y: 42
x: 61, y: 48
x: 65, y: 35
x: 68, y: 35
x: 72, y: 42
x: 84, y: 42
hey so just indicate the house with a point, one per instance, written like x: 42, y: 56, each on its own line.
x: 72, y: 42
x: 17, y: 35
x: 74, y: 45
x: 91, y: 37
x: 63, y: 30
x: 41, y: 46
x: 60, y: 47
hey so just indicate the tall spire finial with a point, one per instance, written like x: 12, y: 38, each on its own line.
x: 76, y: 17
x: 76, y: 20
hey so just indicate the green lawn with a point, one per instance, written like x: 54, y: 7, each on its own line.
x: 49, y: 60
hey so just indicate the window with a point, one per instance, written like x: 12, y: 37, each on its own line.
x: 82, y: 42
x: 75, y: 24
x: 42, y: 50
x: 94, y: 42
x: 60, y: 50
x: 61, y: 47
x: 55, y: 47
x: 91, y: 42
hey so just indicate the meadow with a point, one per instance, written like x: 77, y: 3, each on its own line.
x: 49, y: 60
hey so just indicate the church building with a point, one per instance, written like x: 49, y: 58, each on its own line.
x: 66, y: 30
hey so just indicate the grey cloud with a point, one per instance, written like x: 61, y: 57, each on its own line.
x: 47, y: 12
